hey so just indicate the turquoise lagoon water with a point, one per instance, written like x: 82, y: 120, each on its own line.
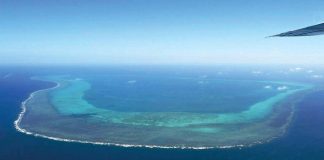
x: 162, y: 110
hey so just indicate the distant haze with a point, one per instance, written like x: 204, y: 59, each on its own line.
x: 158, y: 32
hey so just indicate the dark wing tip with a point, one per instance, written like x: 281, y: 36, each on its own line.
x: 307, y: 31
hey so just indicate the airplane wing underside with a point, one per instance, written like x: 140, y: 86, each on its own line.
x: 308, y: 31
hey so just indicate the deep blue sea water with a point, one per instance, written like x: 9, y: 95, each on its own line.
x: 160, y: 92
x: 303, y: 141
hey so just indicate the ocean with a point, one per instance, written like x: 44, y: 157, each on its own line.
x: 303, y: 138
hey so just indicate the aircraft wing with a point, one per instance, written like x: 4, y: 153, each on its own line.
x: 308, y: 31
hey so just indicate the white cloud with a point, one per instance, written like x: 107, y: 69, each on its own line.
x: 281, y: 88
x: 131, y: 81
x: 268, y: 87
x: 317, y: 76
x: 310, y: 71
x: 297, y: 69
x: 257, y: 72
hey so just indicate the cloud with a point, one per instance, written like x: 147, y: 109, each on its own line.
x: 268, y: 87
x: 7, y: 76
x: 310, y: 71
x: 297, y: 69
x: 317, y: 76
x: 201, y: 82
x: 131, y: 81
x: 282, y: 88
x: 204, y: 76
x: 257, y: 72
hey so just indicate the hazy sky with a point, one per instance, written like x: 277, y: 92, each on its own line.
x: 158, y: 31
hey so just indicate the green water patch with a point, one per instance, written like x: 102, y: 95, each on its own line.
x: 63, y: 112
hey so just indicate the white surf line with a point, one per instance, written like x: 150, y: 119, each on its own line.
x: 22, y: 130
x: 23, y: 109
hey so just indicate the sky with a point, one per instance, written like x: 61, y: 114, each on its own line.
x: 158, y: 32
